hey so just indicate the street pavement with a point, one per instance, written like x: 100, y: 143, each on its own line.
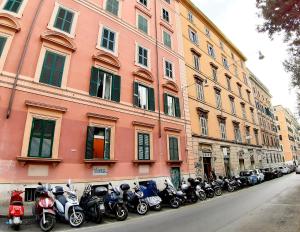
x: 273, y: 206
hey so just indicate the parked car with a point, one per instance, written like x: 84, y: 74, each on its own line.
x: 269, y: 173
x: 248, y: 177
x: 297, y: 170
x: 260, y: 175
x: 284, y: 170
x: 277, y: 172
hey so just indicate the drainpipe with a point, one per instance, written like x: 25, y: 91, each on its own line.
x: 157, y: 70
x: 21, y: 61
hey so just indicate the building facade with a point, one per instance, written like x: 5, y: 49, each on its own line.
x: 271, y: 153
x: 91, y: 90
x: 289, y: 137
x: 225, y: 130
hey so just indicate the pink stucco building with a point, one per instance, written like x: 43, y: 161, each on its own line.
x: 91, y: 90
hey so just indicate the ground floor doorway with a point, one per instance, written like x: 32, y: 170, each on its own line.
x: 175, y: 176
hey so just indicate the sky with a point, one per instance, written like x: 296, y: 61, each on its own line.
x: 238, y: 19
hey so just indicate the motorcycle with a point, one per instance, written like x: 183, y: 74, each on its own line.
x: 236, y: 183
x: 114, y: 204
x: 134, y: 201
x: 16, y: 209
x: 168, y: 195
x: 189, y: 191
x: 150, y: 195
x: 199, y: 191
x: 209, y: 191
x: 92, y: 205
x: 217, y: 189
x: 67, y: 207
x: 43, y: 209
x: 224, y: 183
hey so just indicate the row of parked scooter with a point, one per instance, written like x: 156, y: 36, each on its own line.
x: 97, y: 202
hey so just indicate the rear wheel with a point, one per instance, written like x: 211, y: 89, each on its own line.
x: 49, y: 222
x: 218, y: 192
x: 121, y: 213
x: 76, y: 218
x: 174, y: 203
x: 157, y: 207
x: 142, y: 208
x: 210, y: 194
x: 194, y: 197
x: 202, y: 196
x: 230, y: 188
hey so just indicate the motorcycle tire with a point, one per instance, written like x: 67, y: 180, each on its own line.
x: 202, y: 196
x: 76, y: 219
x: 50, y: 222
x: 230, y: 188
x: 16, y: 227
x: 174, y: 203
x: 218, y: 192
x: 210, y: 194
x: 142, y: 208
x: 121, y: 213
x: 194, y: 198
x: 157, y: 207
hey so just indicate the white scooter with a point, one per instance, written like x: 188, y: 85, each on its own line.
x: 67, y: 206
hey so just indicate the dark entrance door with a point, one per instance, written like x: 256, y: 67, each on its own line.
x: 227, y: 167
x: 242, y: 164
x: 175, y: 177
x: 207, y: 167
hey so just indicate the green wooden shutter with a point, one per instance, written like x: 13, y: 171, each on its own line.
x: 171, y: 150
x: 48, y: 134
x: 89, y: 150
x: 107, y: 144
x: 136, y: 94
x: 140, y: 146
x: 151, y: 99
x: 146, y: 146
x: 2, y: 44
x: 94, y: 81
x: 175, y: 149
x: 13, y: 5
x: 177, y: 107
x: 166, y: 103
x: 116, y: 88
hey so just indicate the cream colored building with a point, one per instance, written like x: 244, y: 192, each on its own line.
x: 271, y: 153
x: 288, y: 128
x: 225, y: 130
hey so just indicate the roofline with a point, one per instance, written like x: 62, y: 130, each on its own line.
x: 258, y: 82
x: 208, y: 21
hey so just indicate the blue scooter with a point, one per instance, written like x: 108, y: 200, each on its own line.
x: 150, y: 192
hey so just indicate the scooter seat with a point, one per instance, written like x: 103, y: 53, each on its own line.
x: 62, y: 199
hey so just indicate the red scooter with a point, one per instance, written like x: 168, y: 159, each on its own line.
x: 16, y: 209
x: 43, y: 208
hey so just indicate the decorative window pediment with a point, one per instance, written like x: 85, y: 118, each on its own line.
x: 170, y: 85
x: 59, y: 39
x: 143, y: 74
x: 9, y: 22
x: 107, y: 59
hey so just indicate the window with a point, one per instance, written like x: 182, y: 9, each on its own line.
x: 64, y: 19
x: 108, y: 39
x: 52, y: 69
x: 211, y: 51
x: 244, y: 111
x: 248, y: 138
x: 171, y: 106
x: 13, y: 5
x: 245, y: 79
x: 203, y: 124
x: 165, y: 15
x: 223, y: 130
x: 235, y: 70
x: 249, y: 97
x: 214, y: 71
x: 196, y: 59
x: 143, y: 146
x: 144, y: 97
x: 143, y: 56
x: 228, y: 83
x: 142, y: 24
x: 112, y: 6
x: 240, y: 90
x: 2, y: 44
x: 232, y: 105
x: 41, y: 138
x: 193, y: 36
x: 252, y: 115
x: 168, y: 69
x: 256, y: 136
x: 105, y: 85
x: 237, y: 133
x: 218, y: 99
x: 200, y: 90
x: 167, y: 39
x: 190, y: 17
x: 173, y: 148
x: 29, y: 194
x: 144, y: 2
x: 221, y: 45
x: 225, y: 62
x: 168, y: 1
x: 207, y: 32
x: 98, y: 143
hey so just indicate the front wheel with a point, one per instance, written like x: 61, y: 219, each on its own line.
x: 210, y: 194
x: 142, y: 208
x: 76, y: 218
x: 121, y: 213
x: 202, y: 196
x: 230, y: 188
x: 174, y: 203
x: 49, y: 222
x: 218, y: 192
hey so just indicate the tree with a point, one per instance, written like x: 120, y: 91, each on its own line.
x: 283, y: 16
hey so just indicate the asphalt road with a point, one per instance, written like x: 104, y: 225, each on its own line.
x: 271, y: 206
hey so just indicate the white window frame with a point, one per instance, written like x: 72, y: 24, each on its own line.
x: 225, y: 62
x: 147, y: 6
x: 218, y: 99
x: 147, y: 96
x: 168, y: 147
x: 137, y: 45
x: 104, y: 86
x: 203, y: 125
x: 244, y: 111
x: 232, y: 105
x: 173, y: 69
x: 237, y: 133
x: 137, y: 22
x: 163, y: 41
x: 162, y: 15
x: 173, y: 105
x: 99, y: 40
x: 193, y: 36
x: 196, y: 59
x: 200, y: 90
x: 17, y: 15
x: 211, y: 51
x: 222, y: 126
x: 207, y: 33
x: 221, y: 45
x: 50, y: 26
x: 190, y: 17
x: 119, y: 10
x: 9, y: 37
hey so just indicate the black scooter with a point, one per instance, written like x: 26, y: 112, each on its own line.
x: 209, y: 191
x: 216, y: 187
x: 169, y: 196
x: 93, y: 205
x: 224, y: 183
x: 134, y: 201
x: 188, y: 191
